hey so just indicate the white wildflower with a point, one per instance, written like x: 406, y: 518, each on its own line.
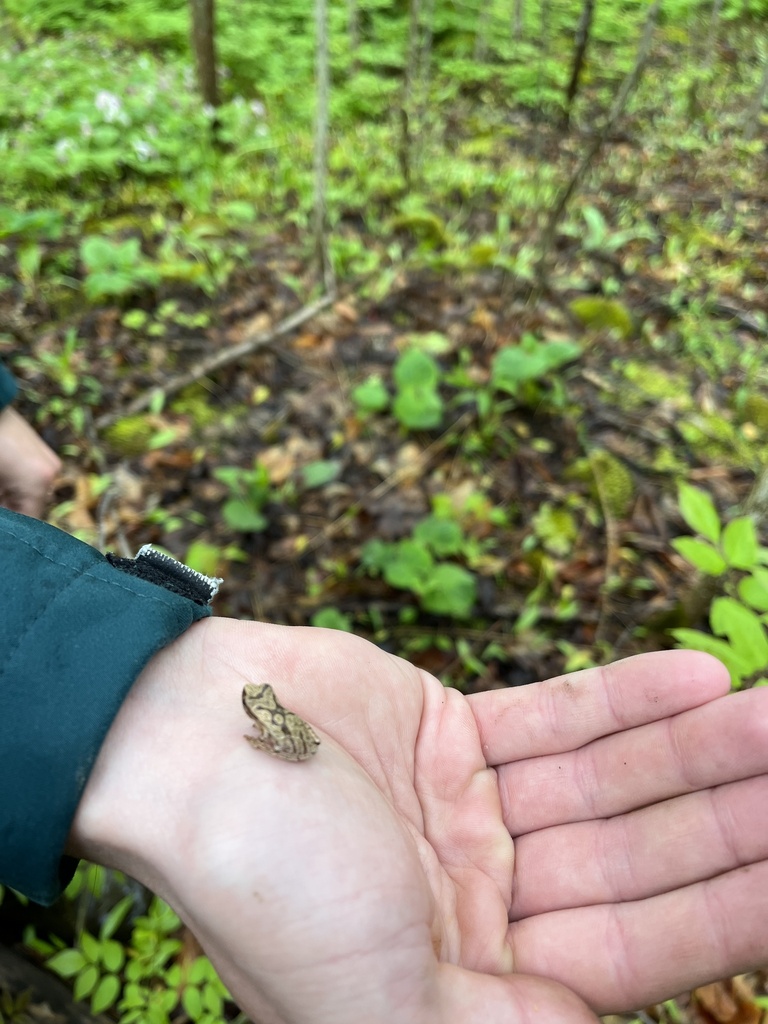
x: 108, y: 105
x: 258, y: 109
x: 63, y: 150
x: 143, y: 150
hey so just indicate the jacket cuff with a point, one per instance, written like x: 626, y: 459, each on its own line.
x: 8, y: 387
x: 75, y: 632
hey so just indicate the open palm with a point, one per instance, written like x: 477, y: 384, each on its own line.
x: 444, y: 858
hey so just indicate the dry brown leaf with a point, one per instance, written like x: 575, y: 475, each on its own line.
x: 282, y: 460
x: 726, y: 1002
x: 346, y: 311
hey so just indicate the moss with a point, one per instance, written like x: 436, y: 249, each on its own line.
x: 598, y: 313
x: 130, y: 436
x: 756, y: 411
x: 615, y: 484
x: 660, y: 384
x: 424, y: 227
x: 194, y: 402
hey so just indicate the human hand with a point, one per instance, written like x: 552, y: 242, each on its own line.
x: 395, y: 876
x: 28, y: 467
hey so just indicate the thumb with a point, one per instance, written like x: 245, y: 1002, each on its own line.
x: 465, y: 997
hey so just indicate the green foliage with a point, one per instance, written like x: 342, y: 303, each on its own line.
x: 115, y: 269
x: 531, y: 360
x: 556, y: 528
x: 131, y: 436
x: 250, y: 490
x: 138, y: 980
x: 332, y: 618
x: 417, y: 404
x: 320, y: 473
x: 442, y: 588
x: 416, y: 564
x: 615, y: 486
x: 203, y: 557
x: 737, y: 617
x: 601, y: 238
x: 15, y: 1008
x: 598, y: 313
x: 371, y: 396
x: 64, y: 366
x: 31, y: 225
x: 95, y: 964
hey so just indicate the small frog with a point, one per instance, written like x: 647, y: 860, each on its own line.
x: 280, y: 733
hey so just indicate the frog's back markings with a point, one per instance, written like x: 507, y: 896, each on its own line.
x: 281, y: 733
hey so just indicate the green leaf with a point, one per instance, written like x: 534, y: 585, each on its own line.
x: 112, y: 955
x: 699, y: 512
x: 241, y: 515
x: 203, y: 557
x: 695, y: 640
x: 431, y: 341
x: 213, y: 1000
x: 418, y: 408
x: 739, y: 543
x: 530, y: 360
x: 85, y: 982
x: 134, y: 319
x: 753, y: 590
x: 30, y: 257
x: 701, y: 555
x: 409, y: 566
x: 67, y: 963
x: 317, y: 474
x: 375, y: 555
x: 91, y: 947
x: 192, y: 1002
x: 744, y: 630
x: 331, y: 618
x: 200, y: 971
x: 449, y: 590
x: 416, y: 369
x: 443, y: 536
x: 371, y: 395
x: 106, y: 993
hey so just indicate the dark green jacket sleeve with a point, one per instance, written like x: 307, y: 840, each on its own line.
x: 75, y: 632
x: 7, y: 387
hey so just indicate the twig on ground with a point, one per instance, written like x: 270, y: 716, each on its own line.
x: 228, y: 355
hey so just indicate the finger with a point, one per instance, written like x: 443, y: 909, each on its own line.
x: 650, y: 851
x: 622, y: 956
x: 465, y: 997
x: 723, y: 741
x: 569, y: 711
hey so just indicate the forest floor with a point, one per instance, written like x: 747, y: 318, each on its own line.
x: 298, y: 471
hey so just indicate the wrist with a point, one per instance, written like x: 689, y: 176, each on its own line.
x: 180, y: 727
x: 129, y: 812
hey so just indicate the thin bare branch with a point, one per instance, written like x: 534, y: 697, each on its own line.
x: 628, y: 86
x: 228, y: 355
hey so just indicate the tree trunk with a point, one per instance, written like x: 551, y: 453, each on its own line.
x: 581, y: 43
x: 204, y: 48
